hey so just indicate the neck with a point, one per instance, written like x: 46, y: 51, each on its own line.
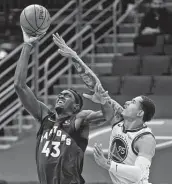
x: 63, y: 117
x: 130, y: 124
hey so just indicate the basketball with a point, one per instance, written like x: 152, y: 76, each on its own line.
x: 35, y: 20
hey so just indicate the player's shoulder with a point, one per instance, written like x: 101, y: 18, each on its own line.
x: 148, y: 136
x: 45, y: 111
x: 145, y: 138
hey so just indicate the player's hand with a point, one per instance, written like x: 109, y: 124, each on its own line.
x: 99, y: 156
x: 64, y: 50
x: 100, y: 95
x: 30, y: 39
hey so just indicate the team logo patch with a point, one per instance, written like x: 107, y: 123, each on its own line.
x: 118, y: 150
x: 66, y: 123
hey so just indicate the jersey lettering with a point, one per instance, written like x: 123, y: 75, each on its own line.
x: 51, y: 131
x: 121, y: 150
x: 68, y: 141
x: 46, y: 135
x: 118, y: 149
x: 59, y: 133
x: 45, y: 149
x: 63, y: 138
x: 55, y: 128
x: 56, y: 149
x: 55, y: 145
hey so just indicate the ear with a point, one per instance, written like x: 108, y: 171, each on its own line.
x: 76, y: 107
x: 140, y: 113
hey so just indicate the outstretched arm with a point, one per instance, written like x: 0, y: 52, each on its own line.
x: 87, y: 116
x: 36, y: 108
x: 111, y: 109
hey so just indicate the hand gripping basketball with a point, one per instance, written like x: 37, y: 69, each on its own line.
x: 30, y: 39
x: 35, y: 20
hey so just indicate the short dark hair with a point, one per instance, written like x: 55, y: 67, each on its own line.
x: 78, y: 98
x: 148, y: 107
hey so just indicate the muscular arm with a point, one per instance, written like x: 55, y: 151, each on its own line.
x: 36, y: 108
x: 146, y: 146
x: 146, y: 149
x: 111, y: 109
x: 87, y: 116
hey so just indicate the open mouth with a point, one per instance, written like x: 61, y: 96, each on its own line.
x: 125, y: 106
x: 61, y: 102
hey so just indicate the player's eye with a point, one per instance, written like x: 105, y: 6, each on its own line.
x: 67, y: 95
x: 59, y: 95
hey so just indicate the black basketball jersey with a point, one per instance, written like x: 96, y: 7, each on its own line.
x: 60, y: 152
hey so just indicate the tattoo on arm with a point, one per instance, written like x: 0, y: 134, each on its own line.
x: 116, y: 107
x: 88, y: 77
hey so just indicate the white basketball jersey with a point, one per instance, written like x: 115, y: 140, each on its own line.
x: 121, y: 150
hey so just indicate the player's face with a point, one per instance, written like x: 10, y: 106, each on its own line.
x: 65, y: 100
x: 132, y: 109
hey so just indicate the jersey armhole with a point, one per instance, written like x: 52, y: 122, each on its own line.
x: 136, y: 138
x: 42, y: 122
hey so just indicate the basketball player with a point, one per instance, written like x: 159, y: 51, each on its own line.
x: 63, y: 136
x: 132, y: 144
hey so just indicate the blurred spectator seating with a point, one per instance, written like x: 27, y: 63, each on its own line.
x: 126, y: 65
x: 156, y: 22
x: 162, y: 85
x: 153, y: 44
x: 141, y: 65
x: 111, y: 83
x: 136, y: 85
x: 155, y: 65
x: 3, y: 182
x: 167, y: 45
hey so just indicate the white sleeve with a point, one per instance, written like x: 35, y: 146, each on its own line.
x: 134, y: 173
x: 144, y: 164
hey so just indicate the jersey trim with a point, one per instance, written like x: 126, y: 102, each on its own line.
x: 49, y: 114
x: 117, y: 123
x: 134, y: 130
x: 42, y: 122
x: 136, y: 138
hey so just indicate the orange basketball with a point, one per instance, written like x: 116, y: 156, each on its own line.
x: 35, y: 20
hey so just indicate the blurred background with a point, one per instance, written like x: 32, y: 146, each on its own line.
x: 127, y: 43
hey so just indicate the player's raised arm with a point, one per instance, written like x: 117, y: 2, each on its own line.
x: 87, y: 116
x: 111, y: 108
x: 36, y: 108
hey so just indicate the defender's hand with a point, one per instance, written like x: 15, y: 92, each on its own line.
x: 30, y: 39
x: 100, y: 96
x: 99, y: 156
x: 64, y: 50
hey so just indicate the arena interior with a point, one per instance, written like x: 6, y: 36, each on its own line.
x: 104, y: 37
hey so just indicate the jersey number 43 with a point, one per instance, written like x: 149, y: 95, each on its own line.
x: 55, y: 146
